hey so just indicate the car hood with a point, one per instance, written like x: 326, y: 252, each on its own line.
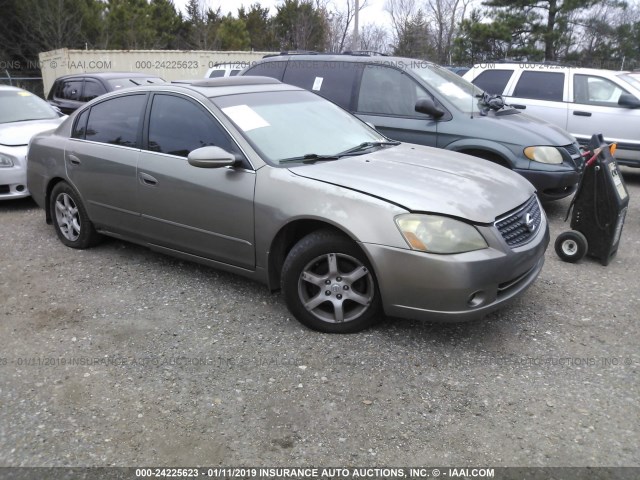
x: 19, y: 133
x: 527, y: 129
x: 425, y: 179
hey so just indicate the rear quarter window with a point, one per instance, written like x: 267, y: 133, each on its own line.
x: 268, y: 69
x: 493, y: 81
x: 332, y: 80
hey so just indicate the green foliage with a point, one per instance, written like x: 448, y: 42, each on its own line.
x: 598, y: 33
x: 232, y: 34
x: 300, y: 26
x: 260, y: 28
x: 415, y: 39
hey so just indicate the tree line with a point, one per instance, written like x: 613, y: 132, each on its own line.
x: 600, y: 33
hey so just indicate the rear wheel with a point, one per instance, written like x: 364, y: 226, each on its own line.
x: 329, y: 285
x: 571, y: 246
x: 70, y: 218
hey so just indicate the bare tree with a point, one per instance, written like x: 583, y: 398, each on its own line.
x: 339, y: 23
x: 374, y: 38
x: 401, y: 12
x: 445, y: 16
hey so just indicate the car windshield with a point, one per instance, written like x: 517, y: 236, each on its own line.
x: 459, y: 92
x: 633, y: 79
x: 118, y: 83
x: 289, y: 125
x: 20, y: 106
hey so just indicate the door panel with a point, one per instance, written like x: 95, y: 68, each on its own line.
x: 387, y: 98
x: 101, y: 161
x: 542, y: 94
x: 203, y: 211
x: 596, y: 110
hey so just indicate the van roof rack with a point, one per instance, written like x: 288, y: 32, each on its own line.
x: 293, y: 52
x: 364, y: 53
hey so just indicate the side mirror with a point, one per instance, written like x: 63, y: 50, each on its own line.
x: 428, y: 106
x: 628, y: 100
x: 57, y: 110
x: 211, y: 157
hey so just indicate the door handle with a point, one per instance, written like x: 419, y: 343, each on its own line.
x: 519, y: 107
x: 147, y: 179
x: 581, y: 114
x: 73, y: 159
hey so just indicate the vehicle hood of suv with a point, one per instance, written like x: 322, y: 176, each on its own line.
x: 19, y: 133
x: 429, y: 180
x: 525, y: 129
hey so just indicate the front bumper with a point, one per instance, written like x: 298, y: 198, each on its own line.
x: 13, y: 182
x: 455, y: 288
x: 552, y: 185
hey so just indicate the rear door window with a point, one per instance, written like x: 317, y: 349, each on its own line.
x: 116, y: 121
x: 332, y: 80
x: 493, y: 81
x: 540, y: 86
x: 71, y: 89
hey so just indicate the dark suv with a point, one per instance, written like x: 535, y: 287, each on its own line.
x: 416, y: 101
x: 71, y: 91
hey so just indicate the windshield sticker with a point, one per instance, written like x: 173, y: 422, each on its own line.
x: 245, y: 117
x: 317, y: 84
x: 452, y: 90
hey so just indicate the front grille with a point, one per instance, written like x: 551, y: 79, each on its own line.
x: 572, y: 149
x: 4, y: 189
x: 520, y: 225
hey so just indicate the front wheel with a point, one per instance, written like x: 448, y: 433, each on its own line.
x: 70, y: 218
x: 571, y: 246
x: 329, y: 285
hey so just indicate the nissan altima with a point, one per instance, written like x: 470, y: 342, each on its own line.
x: 275, y: 183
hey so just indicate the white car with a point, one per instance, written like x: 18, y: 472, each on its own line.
x: 224, y: 70
x: 583, y: 101
x: 22, y: 115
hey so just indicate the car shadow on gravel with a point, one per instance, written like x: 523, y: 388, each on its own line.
x: 21, y: 204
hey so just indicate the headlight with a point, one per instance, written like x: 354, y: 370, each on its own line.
x: 543, y: 154
x: 436, y: 234
x: 6, y: 161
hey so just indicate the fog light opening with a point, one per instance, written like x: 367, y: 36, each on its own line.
x: 476, y: 299
x: 20, y: 188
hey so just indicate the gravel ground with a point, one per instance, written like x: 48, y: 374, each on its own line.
x: 170, y: 363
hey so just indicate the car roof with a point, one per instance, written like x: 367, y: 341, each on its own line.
x: 364, y: 57
x: 108, y: 75
x: 545, y: 66
x: 218, y: 87
x: 9, y: 88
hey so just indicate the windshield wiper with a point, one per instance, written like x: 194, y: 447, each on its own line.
x: 314, y: 157
x: 309, y: 158
x: 366, y: 146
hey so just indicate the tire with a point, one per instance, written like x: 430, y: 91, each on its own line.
x: 70, y: 218
x: 329, y: 285
x: 571, y: 246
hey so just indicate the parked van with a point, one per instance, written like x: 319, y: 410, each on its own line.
x: 416, y: 101
x: 583, y: 101
x: 225, y: 69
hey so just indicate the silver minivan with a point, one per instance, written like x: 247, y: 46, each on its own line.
x: 583, y: 101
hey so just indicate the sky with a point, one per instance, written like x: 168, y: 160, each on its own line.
x: 373, y: 13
